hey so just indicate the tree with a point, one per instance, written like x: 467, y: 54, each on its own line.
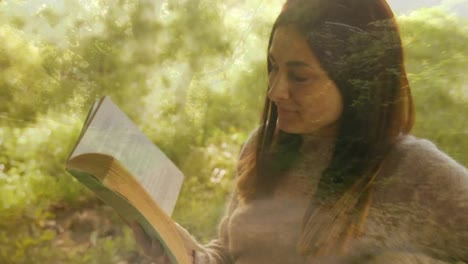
x: 437, y: 63
x: 191, y: 75
x: 135, y: 51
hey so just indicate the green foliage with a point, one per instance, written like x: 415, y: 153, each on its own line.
x: 178, y: 74
x: 39, y: 237
x: 30, y: 241
x: 22, y: 74
x: 108, y: 250
x: 191, y: 76
x: 437, y: 62
x: 32, y: 161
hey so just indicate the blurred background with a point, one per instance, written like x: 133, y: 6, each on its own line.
x: 192, y: 76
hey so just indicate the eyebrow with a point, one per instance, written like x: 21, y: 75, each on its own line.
x: 298, y: 64
x: 294, y: 63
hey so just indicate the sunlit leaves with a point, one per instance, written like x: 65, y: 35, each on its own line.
x: 24, y: 84
x: 437, y: 62
x: 191, y: 74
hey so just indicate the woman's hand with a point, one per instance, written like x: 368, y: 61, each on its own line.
x: 150, y: 247
x: 153, y: 249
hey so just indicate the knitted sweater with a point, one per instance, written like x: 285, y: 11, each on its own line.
x: 419, y: 212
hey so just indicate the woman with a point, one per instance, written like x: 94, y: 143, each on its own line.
x: 332, y: 174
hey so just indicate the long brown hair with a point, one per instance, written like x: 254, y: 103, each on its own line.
x: 358, y: 44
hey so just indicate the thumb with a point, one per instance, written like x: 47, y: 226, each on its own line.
x: 189, y: 241
x: 150, y: 246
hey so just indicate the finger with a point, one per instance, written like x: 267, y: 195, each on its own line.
x: 141, y: 238
x: 157, y: 249
x: 151, y: 247
x: 189, y: 241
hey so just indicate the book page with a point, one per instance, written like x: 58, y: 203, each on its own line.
x: 111, y: 132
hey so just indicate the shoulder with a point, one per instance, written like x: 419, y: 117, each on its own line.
x: 427, y: 190
x: 419, y: 150
x: 250, y: 143
x: 416, y: 166
x: 421, y: 159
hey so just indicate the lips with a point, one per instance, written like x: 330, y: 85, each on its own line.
x: 283, y: 109
x: 285, y: 112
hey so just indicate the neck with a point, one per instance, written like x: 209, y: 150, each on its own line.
x: 330, y: 130
x: 312, y: 143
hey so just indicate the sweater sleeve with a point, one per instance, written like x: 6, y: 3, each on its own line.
x: 217, y: 251
x: 438, y: 221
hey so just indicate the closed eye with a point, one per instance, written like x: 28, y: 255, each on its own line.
x: 298, y: 79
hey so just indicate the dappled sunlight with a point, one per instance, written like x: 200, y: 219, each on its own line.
x: 192, y: 75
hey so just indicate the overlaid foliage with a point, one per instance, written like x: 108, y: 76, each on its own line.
x: 437, y: 63
x: 192, y: 75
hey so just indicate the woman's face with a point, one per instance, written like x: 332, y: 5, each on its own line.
x: 308, y: 101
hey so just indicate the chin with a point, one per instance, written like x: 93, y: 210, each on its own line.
x: 290, y: 129
x: 294, y: 128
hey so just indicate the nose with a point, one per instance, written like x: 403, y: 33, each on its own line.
x: 278, y: 89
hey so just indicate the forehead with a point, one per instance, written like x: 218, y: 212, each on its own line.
x: 288, y: 44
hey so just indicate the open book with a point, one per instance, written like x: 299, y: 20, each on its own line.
x: 114, y: 159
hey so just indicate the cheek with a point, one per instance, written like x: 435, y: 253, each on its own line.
x: 321, y: 103
x: 312, y: 100
x: 336, y: 100
x: 316, y: 92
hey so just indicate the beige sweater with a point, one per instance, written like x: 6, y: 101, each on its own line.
x: 419, y: 213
